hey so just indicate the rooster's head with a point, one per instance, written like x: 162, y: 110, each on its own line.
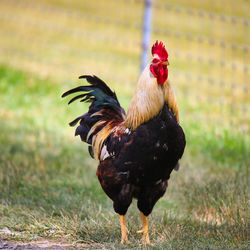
x: 158, y: 66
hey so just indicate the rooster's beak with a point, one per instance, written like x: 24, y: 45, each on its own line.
x: 165, y: 63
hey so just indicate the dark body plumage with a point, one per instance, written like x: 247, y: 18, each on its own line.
x: 136, y: 163
x: 143, y: 166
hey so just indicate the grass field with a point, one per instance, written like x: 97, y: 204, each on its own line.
x: 48, y: 187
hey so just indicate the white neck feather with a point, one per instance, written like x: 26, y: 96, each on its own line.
x: 147, y: 100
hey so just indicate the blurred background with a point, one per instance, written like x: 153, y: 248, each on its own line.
x: 45, y: 172
x: 208, y: 43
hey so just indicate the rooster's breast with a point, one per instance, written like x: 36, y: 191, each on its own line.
x: 153, y: 150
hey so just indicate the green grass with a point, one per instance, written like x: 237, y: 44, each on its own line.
x: 49, y: 189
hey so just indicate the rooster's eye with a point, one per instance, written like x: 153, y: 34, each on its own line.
x: 155, y: 61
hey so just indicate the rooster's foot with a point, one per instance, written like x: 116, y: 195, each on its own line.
x: 123, y: 230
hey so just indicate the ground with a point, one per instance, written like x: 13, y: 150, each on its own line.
x: 49, y: 192
x: 35, y: 245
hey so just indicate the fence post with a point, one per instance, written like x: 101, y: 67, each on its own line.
x: 146, y: 32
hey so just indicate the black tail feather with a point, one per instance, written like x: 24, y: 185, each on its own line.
x: 96, y: 81
x: 75, y: 121
x: 102, y: 99
x: 76, y: 97
x: 71, y: 91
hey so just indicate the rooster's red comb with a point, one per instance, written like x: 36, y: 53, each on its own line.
x: 160, y: 50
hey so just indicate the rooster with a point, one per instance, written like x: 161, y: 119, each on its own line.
x: 137, y: 151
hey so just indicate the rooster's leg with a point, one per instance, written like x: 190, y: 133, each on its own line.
x: 144, y: 231
x: 123, y: 230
